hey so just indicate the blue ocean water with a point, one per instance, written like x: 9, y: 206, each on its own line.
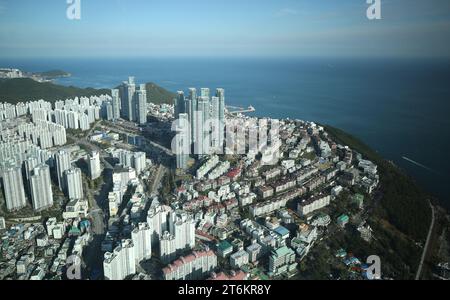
x: 400, y: 108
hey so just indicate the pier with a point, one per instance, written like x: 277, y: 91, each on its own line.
x: 240, y: 110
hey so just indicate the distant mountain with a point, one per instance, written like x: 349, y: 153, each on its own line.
x: 26, y: 89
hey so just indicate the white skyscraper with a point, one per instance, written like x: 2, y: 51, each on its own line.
x: 121, y: 263
x: 220, y: 93
x: 168, y: 249
x: 62, y: 159
x: 115, y: 104
x: 95, y: 169
x: 215, y: 124
x: 201, y: 146
x: 73, y: 119
x: 179, y: 104
x: 30, y: 164
x: 127, y: 93
x: 139, y: 161
x: 84, y: 122
x: 13, y: 188
x: 141, y: 105
x: 182, y: 226
x: 74, y: 183
x: 182, y: 141
x: 157, y: 219
x: 108, y: 111
x: 142, y: 240
x: 204, y: 93
x: 41, y: 187
x: 192, y: 109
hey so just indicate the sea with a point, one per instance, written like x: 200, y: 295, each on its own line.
x: 399, y: 107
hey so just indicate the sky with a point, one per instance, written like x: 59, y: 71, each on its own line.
x: 278, y: 28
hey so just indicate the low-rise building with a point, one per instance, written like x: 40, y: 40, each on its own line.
x: 254, y: 252
x: 343, y: 220
x: 265, y: 192
x: 282, y: 261
x: 2, y: 223
x: 192, y: 267
x: 233, y: 275
x: 224, y: 248
x: 239, y: 259
x: 312, y: 204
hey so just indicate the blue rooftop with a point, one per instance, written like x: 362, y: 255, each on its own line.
x: 281, y: 231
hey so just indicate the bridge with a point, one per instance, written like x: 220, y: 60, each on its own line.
x: 240, y: 110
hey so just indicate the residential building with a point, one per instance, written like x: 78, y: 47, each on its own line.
x: 282, y: 261
x: 195, y: 266
x: 94, y: 166
x: 13, y: 188
x: 74, y: 182
x: 41, y: 188
x: 239, y: 259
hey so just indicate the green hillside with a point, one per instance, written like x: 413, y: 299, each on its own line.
x: 399, y: 215
x: 159, y: 95
x: 403, y: 204
x: 25, y: 89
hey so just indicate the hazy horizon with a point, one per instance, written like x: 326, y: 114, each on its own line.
x: 201, y: 28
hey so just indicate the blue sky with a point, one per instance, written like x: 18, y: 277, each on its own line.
x: 330, y: 28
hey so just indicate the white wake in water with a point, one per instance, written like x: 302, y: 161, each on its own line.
x: 418, y: 164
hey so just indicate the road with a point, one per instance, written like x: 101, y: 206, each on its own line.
x: 124, y: 131
x: 93, y: 147
x: 157, y: 180
x: 425, y: 248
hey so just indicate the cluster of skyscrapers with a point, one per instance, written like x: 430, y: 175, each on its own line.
x: 39, y: 185
x: 201, y: 124
x: 77, y: 113
x: 128, y: 102
x: 38, y: 179
x: 69, y: 178
x: 166, y: 233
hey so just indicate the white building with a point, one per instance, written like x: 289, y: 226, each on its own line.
x: 141, y: 105
x: 76, y: 208
x: 195, y: 266
x: 239, y: 259
x: 95, y: 169
x: 13, y: 188
x: 182, y: 226
x: 2, y: 223
x: 41, y: 188
x: 139, y: 162
x: 312, y: 204
x: 158, y: 220
x: 208, y: 166
x: 121, y: 263
x: 55, y: 229
x: 168, y: 249
x: 74, y: 183
x: 254, y: 252
x: 62, y: 159
x: 142, y: 240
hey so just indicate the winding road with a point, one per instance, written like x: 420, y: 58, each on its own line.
x: 425, y: 248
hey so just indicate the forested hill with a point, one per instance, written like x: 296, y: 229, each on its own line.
x: 26, y: 89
